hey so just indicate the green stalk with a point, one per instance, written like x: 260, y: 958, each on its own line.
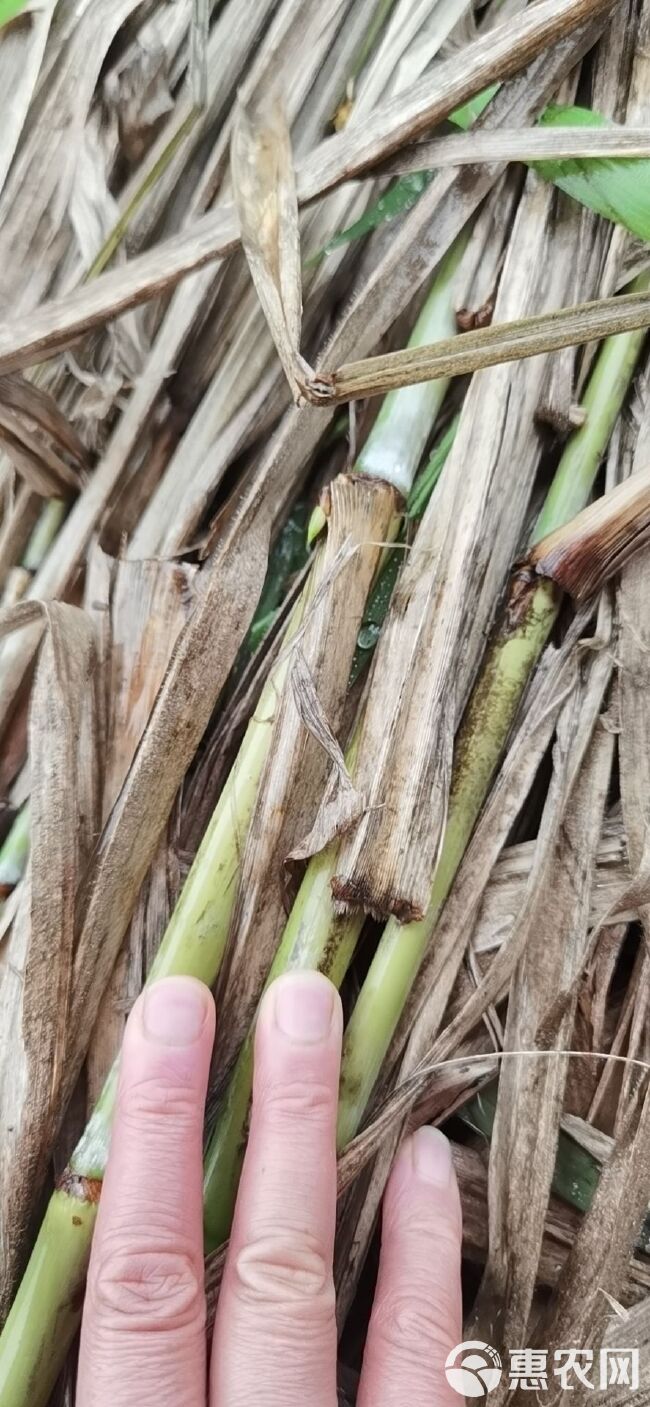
x: 40, y: 1326
x: 313, y: 938
x: 511, y: 658
x: 310, y: 940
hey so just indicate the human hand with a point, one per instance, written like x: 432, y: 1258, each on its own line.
x: 143, y: 1330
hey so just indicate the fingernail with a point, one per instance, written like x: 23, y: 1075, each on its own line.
x: 431, y: 1153
x: 304, y: 1006
x: 174, y: 1011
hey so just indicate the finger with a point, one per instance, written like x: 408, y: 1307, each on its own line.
x: 142, y: 1336
x: 275, y: 1333
x: 417, y: 1314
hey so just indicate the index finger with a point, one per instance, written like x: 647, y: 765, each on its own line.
x: 143, y: 1327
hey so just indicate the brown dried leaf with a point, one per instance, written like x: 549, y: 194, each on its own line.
x: 147, y: 604
x: 36, y: 992
x: 505, y: 49
x: 411, y: 255
x: 39, y: 407
x: 342, y: 805
x: 29, y: 420
x: 43, y: 470
x: 561, y: 1226
x: 226, y: 592
x: 634, y: 674
x: 530, y: 1099
x: 61, y: 321
x: 267, y: 208
x: 504, y: 895
x: 21, y: 57
x: 35, y: 197
x: 500, y: 52
x: 597, y: 1266
x: 489, y: 346
x: 513, y: 144
x: 593, y: 546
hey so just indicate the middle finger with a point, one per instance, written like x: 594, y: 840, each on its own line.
x: 275, y: 1331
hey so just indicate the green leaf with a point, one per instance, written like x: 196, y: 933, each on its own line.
x: 287, y: 557
x: 467, y: 114
x: 617, y: 187
x: 405, y: 193
x: 9, y: 9
x: 399, y: 198
x: 428, y: 477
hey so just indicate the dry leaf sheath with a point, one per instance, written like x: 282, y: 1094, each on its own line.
x: 585, y: 552
x: 444, y: 598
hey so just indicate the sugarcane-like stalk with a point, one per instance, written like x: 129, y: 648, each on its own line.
x: 41, y: 1323
x: 312, y: 938
x: 525, y: 626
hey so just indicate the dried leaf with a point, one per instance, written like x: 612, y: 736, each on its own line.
x: 580, y: 158
x: 593, y: 546
x: 504, y: 895
x: 62, y: 321
x: 36, y: 992
x: 560, y: 1229
x: 550, y: 143
x: 344, y: 804
x: 530, y: 1098
x: 59, y: 323
x: 202, y: 658
x: 29, y: 420
x: 267, y: 207
x: 499, y: 53
x: 424, y: 239
x: 146, y: 605
x: 21, y: 56
x: 601, y: 1251
x: 37, y: 190
x: 488, y: 346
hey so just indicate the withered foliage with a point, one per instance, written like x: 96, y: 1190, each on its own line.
x: 180, y: 336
